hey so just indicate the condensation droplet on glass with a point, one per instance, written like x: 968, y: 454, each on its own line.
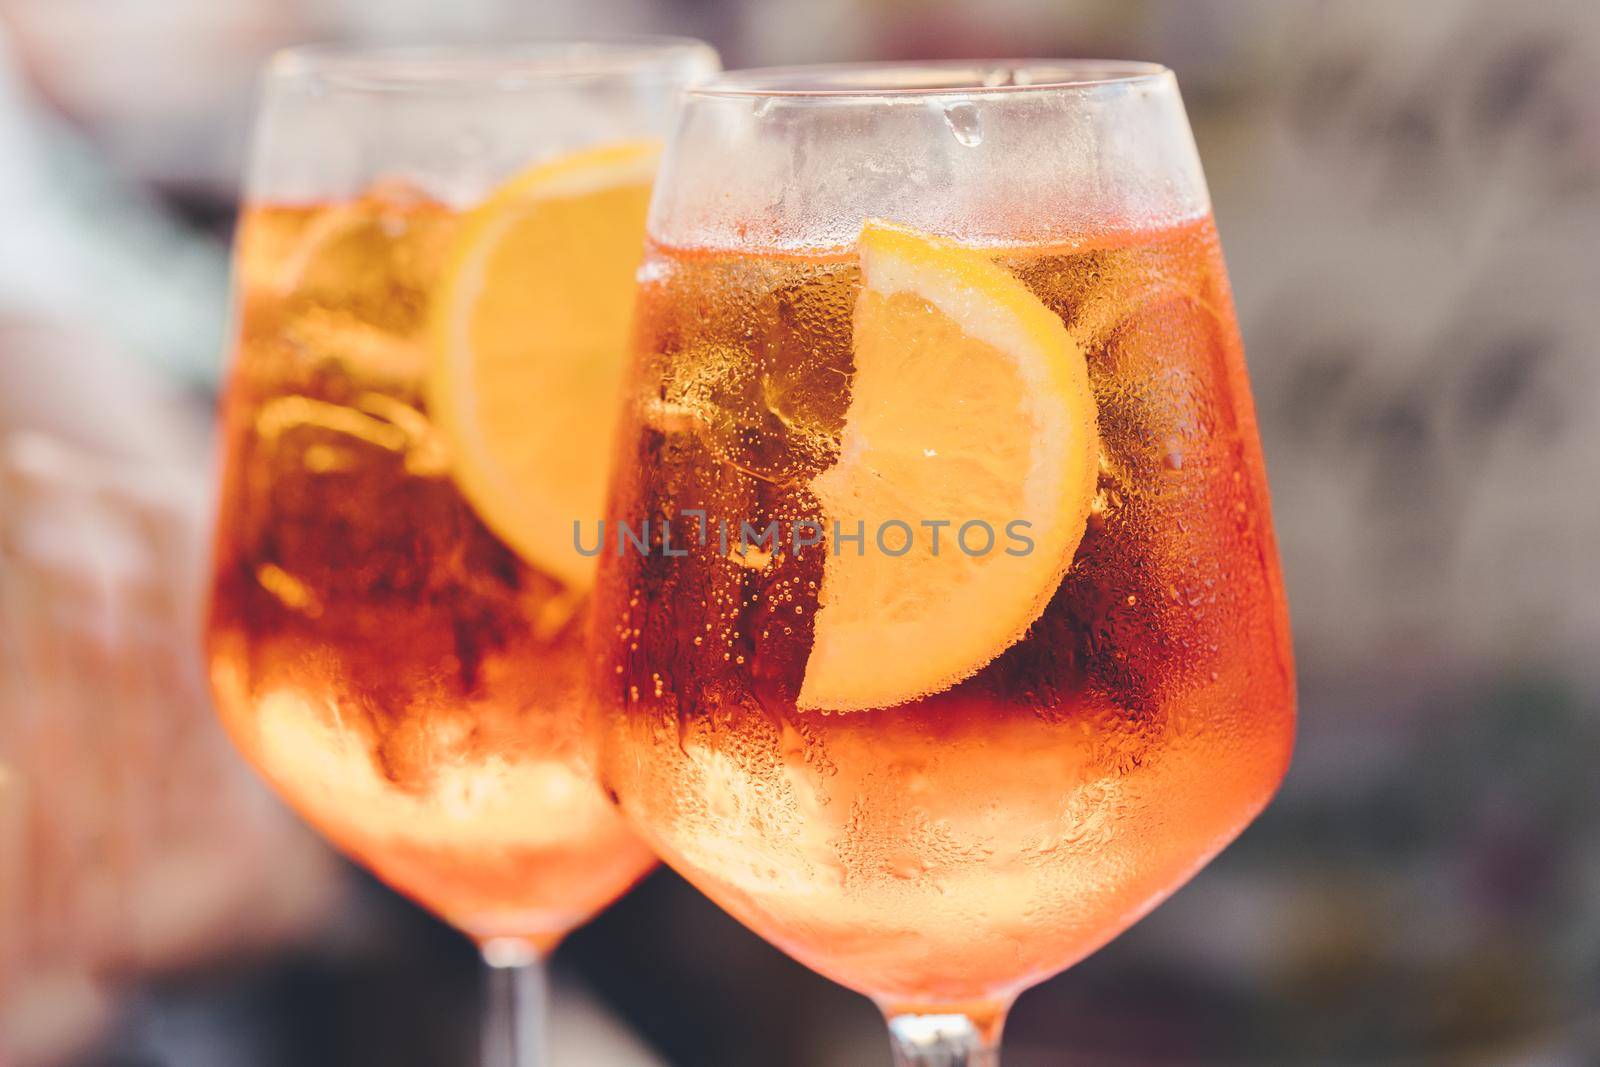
x: 792, y: 745
x: 962, y: 118
x: 652, y: 271
x: 762, y: 108
x: 905, y: 865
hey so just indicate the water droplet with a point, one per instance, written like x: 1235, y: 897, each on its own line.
x: 762, y: 107
x: 792, y: 744
x: 962, y: 118
x: 905, y: 865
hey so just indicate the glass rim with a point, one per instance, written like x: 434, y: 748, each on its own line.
x: 506, y: 66
x: 935, y: 79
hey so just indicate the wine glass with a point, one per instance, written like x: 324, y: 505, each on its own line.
x: 395, y: 633
x: 942, y: 627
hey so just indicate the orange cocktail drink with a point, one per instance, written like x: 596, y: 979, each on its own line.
x: 434, y: 280
x: 956, y: 639
x: 403, y: 677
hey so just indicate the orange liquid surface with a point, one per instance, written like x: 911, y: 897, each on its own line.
x: 953, y: 850
x: 404, y: 680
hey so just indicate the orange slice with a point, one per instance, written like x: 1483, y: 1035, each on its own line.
x: 530, y: 339
x: 970, y: 405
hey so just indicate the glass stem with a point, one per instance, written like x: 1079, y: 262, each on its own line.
x: 945, y: 1040
x: 515, y: 1005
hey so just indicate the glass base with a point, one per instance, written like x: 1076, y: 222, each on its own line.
x: 947, y: 1040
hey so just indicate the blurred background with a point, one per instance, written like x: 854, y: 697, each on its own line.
x: 1409, y: 196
